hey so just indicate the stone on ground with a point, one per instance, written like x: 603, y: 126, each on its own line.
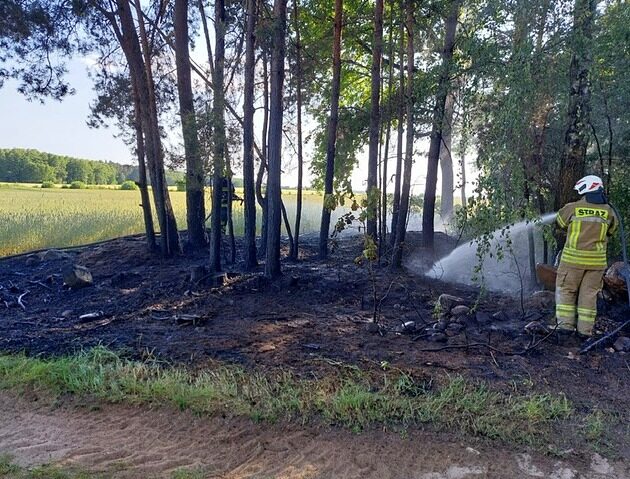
x: 447, y: 302
x: 77, y: 277
x: 622, y: 344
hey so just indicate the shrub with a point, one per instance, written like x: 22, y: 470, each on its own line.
x: 48, y: 184
x: 181, y: 185
x: 128, y: 185
x: 78, y: 185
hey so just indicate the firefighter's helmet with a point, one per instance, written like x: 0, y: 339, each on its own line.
x: 589, y: 184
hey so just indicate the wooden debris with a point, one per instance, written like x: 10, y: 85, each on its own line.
x: 19, y: 300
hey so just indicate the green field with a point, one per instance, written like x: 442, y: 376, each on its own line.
x: 33, y: 218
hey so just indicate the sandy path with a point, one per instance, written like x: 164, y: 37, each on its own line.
x: 145, y: 443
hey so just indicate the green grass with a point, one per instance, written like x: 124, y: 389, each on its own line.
x: 33, y: 218
x: 350, y: 398
x: 9, y: 470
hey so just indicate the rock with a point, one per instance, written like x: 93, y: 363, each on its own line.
x: 460, y: 310
x: 454, y: 329
x: 372, y: 327
x: 500, y: 316
x: 441, y: 325
x: 542, y: 300
x: 622, y: 345
x: 32, y: 260
x: 482, y: 317
x: 614, y: 280
x: 53, y: 254
x: 536, y: 327
x: 406, y: 327
x: 76, y: 277
x: 438, y: 338
x: 447, y: 302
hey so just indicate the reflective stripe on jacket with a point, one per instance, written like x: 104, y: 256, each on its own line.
x: 588, y: 227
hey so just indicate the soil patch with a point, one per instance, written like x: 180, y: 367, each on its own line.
x: 128, y: 442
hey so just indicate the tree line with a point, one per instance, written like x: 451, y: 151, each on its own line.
x: 535, y: 91
x: 18, y: 165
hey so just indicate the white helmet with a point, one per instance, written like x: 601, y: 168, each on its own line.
x: 589, y: 184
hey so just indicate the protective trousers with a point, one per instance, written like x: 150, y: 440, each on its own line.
x: 574, y: 283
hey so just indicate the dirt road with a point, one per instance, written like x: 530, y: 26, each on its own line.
x: 144, y: 443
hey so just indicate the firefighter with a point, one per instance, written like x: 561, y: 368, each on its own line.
x: 588, y: 224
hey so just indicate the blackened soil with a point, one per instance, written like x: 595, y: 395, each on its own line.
x: 315, y: 316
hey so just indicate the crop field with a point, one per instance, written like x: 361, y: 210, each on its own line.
x: 33, y: 218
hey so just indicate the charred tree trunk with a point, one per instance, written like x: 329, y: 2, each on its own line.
x: 332, y: 131
x: 428, y: 210
x: 375, y: 117
x: 400, y: 130
x: 272, y: 264
x: 249, y: 193
x: 401, y: 224
x: 142, y: 173
x: 446, y: 160
x: 195, y: 208
x: 293, y: 254
x: 218, y: 116
x: 573, y: 162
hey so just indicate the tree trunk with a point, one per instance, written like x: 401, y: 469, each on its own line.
x: 462, y: 165
x: 428, y: 210
x: 262, y: 199
x: 142, y: 172
x: 375, y: 117
x: 446, y: 160
x: 573, y: 162
x: 332, y: 131
x: 138, y: 60
x: 400, y: 129
x: 385, y: 160
x: 293, y: 254
x: 195, y: 208
x: 272, y: 264
x: 401, y: 223
x: 218, y: 116
x: 249, y: 193
x: 230, y: 217
x: 206, y: 35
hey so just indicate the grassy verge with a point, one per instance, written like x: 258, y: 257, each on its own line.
x: 9, y: 470
x: 352, y: 398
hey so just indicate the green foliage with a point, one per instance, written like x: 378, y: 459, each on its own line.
x: 78, y: 185
x: 181, y: 184
x: 48, y: 184
x: 129, y: 185
x: 32, y: 166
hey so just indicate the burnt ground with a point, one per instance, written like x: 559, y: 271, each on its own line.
x: 316, y: 315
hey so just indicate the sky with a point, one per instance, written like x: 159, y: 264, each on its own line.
x: 58, y: 127
x: 61, y: 128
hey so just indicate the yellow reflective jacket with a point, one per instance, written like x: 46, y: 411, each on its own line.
x: 588, y: 227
